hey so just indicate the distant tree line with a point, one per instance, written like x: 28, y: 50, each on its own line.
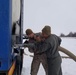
x: 71, y: 34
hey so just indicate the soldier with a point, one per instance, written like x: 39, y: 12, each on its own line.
x: 38, y: 58
x: 50, y: 47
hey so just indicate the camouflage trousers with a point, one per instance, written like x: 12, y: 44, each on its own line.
x: 37, y: 59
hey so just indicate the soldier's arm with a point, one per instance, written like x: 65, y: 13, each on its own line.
x: 30, y: 45
x: 43, y: 47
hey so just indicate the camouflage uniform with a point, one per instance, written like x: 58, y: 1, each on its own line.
x: 37, y: 60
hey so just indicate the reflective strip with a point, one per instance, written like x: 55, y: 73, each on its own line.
x: 11, y: 71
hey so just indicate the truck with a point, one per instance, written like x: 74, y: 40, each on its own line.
x: 11, y: 24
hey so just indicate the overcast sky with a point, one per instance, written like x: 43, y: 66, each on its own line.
x: 59, y: 14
